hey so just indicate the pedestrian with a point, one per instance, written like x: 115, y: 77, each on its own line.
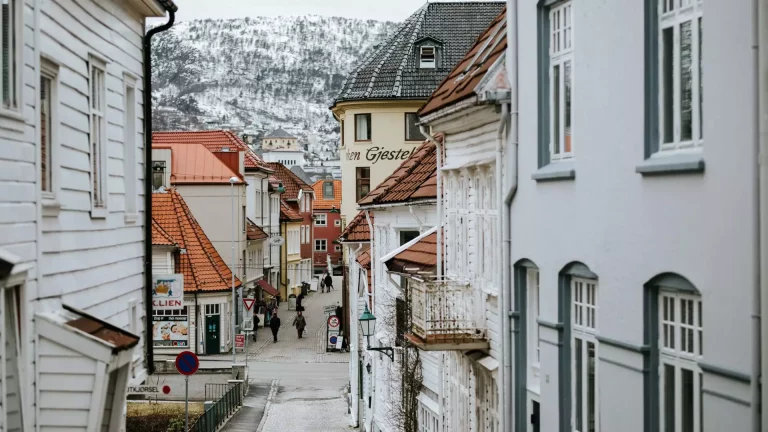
x: 322, y: 282
x: 300, y: 322
x: 274, y: 324
x: 328, y: 282
x: 256, y: 322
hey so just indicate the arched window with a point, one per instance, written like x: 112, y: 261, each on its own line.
x: 578, y: 316
x: 674, y: 328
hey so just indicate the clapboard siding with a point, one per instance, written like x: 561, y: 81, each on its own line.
x: 161, y: 261
x: 472, y: 145
x: 66, y: 386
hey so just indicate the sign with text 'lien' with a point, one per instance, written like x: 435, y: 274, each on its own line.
x: 167, y: 292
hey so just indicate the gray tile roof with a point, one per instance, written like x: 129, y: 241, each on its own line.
x: 391, y: 70
x: 279, y: 133
x: 301, y: 174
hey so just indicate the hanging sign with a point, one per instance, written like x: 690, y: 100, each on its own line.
x: 240, y: 341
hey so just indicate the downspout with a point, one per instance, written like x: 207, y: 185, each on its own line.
x: 147, y: 92
x: 508, y: 402
x: 760, y: 361
x: 372, y: 297
x: 373, y: 273
x: 439, y: 151
x: 353, y: 345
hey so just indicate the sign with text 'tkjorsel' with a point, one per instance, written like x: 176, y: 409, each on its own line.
x: 167, y: 292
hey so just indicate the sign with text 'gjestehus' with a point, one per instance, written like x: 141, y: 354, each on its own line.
x: 167, y: 291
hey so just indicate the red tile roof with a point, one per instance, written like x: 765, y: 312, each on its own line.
x: 214, y: 141
x: 420, y: 257
x: 202, y: 267
x: 414, y: 180
x: 291, y: 182
x: 160, y: 237
x: 357, y: 230
x: 288, y: 214
x: 463, y: 80
x: 194, y: 164
x: 254, y: 232
x: 320, y: 202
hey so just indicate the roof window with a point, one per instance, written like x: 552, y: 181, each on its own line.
x: 427, y: 57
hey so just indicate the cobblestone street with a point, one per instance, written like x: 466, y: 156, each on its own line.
x: 306, y: 384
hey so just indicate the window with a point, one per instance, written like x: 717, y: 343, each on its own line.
x: 337, y: 223
x: 584, y: 363
x: 321, y: 219
x: 428, y: 419
x: 158, y: 174
x: 680, y: 349
x: 407, y: 235
x: 680, y: 74
x: 130, y: 145
x: 412, y: 131
x: 328, y: 190
x: 337, y: 248
x: 487, y: 394
x: 245, y: 221
x: 400, y: 321
x: 427, y: 57
x: 560, y: 78
x: 46, y: 128
x: 363, y: 180
x: 321, y: 245
x: 342, y: 133
x: 212, y: 309
x: 532, y: 316
x: 10, y: 36
x: 11, y: 380
x: 98, y: 135
x: 362, y: 127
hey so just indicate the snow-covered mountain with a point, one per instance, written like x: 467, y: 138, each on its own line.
x: 253, y: 75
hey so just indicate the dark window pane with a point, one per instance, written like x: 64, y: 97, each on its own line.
x: 362, y: 127
x: 578, y: 357
x: 412, y: 132
x: 687, y: 400
x: 669, y: 398
x: 701, y: 85
x: 567, y: 106
x: 667, y: 82
x: 556, y: 109
x: 7, y: 31
x: 686, y: 81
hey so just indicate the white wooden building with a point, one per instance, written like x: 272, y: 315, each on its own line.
x: 405, y: 208
x: 71, y: 230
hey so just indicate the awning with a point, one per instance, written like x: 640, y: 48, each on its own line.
x: 267, y: 288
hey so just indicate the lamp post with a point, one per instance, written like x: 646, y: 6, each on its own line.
x: 368, y: 326
x: 232, y: 182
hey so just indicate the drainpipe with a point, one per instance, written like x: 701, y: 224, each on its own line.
x: 421, y: 225
x: 439, y: 151
x: 760, y: 362
x: 373, y: 273
x: 507, y: 302
x: 353, y: 346
x: 147, y: 91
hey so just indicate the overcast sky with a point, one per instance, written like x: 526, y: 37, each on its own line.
x: 392, y: 10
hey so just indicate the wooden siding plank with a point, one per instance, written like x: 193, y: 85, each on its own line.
x: 66, y: 241
x: 101, y: 280
x: 11, y: 213
x: 20, y: 151
x: 59, y: 417
x: 18, y: 233
x: 56, y: 382
x: 65, y: 400
x: 83, y: 260
x: 67, y: 366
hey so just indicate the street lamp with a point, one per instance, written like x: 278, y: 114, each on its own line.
x: 368, y: 326
x: 232, y: 182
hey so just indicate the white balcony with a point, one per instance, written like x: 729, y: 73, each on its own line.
x: 447, y: 315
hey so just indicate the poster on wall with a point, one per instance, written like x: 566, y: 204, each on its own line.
x: 170, y: 331
x: 167, y: 292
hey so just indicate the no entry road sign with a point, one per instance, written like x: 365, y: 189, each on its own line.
x: 187, y: 363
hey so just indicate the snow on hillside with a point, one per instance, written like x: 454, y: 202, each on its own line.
x: 253, y: 75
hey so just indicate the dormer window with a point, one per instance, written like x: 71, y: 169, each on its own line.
x: 328, y: 190
x: 427, y: 57
x: 158, y: 174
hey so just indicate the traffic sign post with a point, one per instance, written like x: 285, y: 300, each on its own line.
x: 187, y: 364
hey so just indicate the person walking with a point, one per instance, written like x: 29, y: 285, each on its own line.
x: 328, y: 281
x: 300, y: 323
x: 322, y: 282
x: 274, y: 324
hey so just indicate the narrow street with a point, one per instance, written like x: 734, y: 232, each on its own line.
x: 294, y: 384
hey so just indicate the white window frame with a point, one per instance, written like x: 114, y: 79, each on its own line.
x: 427, y: 64
x: 534, y: 344
x: 16, y: 292
x: 130, y: 147
x: 673, y: 324
x: 50, y: 204
x: 15, y: 107
x: 487, y: 394
x: 324, y: 245
x: 560, y: 53
x: 98, y: 137
x: 429, y: 420
x: 672, y: 14
x: 323, y: 217
x: 584, y: 313
x: 337, y: 223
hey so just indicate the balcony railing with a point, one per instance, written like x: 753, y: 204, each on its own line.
x: 447, y: 315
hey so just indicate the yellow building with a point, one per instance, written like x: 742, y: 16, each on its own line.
x: 290, y: 252
x: 377, y: 105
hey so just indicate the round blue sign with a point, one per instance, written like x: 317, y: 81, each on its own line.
x: 333, y: 339
x: 187, y: 363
